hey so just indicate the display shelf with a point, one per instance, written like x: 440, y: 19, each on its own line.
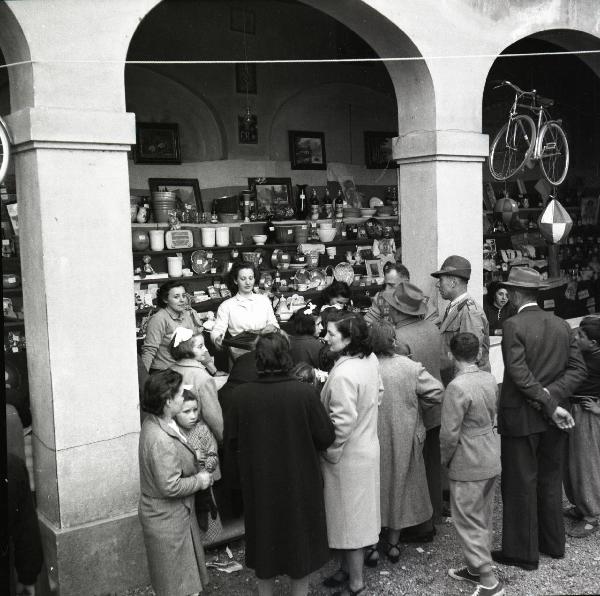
x: 282, y: 222
x: 252, y: 247
x: 11, y: 261
x: 12, y: 291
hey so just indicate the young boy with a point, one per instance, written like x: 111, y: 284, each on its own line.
x: 470, y: 449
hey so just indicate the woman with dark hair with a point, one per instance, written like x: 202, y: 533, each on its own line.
x: 336, y: 294
x: 496, y: 306
x: 305, y: 343
x: 169, y: 477
x: 407, y: 390
x: 351, y: 465
x: 245, y: 311
x: 174, y: 311
x: 277, y: 426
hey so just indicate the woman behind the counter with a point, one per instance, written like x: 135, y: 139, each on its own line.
x: 245, y: 311
x: 497, y: 307
x: 172, y: 301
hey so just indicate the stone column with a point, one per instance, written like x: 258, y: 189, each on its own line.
x: 440, y: 193
x: 72, y: 184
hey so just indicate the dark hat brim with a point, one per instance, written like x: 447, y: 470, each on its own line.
x: 463, y: 273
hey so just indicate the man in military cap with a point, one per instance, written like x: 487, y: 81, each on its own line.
x: 462, y: 314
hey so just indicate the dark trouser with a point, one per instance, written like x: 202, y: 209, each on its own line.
x: 532, y: 468
x: 23, y: 526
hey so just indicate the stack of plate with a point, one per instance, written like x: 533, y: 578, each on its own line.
x: 162, y: 203
x: 351, y: 212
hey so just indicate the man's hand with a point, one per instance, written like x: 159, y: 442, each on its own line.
x: 563, y: 419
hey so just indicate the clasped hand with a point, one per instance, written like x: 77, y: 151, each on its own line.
x: 563, y: 419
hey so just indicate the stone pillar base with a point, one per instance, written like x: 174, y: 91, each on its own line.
x: 105, y: 557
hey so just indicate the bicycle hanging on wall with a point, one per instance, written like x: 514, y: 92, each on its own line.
x: 523, y: 140
x: 5, y: 143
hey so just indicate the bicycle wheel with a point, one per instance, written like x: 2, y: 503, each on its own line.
x: 4, y: 150
x: 554, y: 153
x: 512, y: 147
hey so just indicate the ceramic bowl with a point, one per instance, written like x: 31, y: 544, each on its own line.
x: 259, y: 238
x: 367, y: 212
x: 327, y: 234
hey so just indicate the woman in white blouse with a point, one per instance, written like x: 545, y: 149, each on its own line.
x: 245, y: 311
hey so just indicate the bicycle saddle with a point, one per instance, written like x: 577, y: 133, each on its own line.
x: 544, y: 101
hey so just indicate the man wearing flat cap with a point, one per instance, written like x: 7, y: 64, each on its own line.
x: 462, y: 314
x: 542, y: 368
x: 419, y: 339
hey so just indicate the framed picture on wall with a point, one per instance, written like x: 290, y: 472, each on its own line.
x: 157, y: 142
x: 589, y: 210
x: 272, y: 194
x: 378, y: 150
x: 307, y: 150
x: 187, y: 190
x: 374, y: 268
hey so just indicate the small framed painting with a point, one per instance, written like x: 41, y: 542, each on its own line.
x: 307, y: 150
x: 186, y: 189
x: 374, y: 268
x: 589, y: 210
x: 157, y: 142
x: 378, y: 150
x: 273, y: 195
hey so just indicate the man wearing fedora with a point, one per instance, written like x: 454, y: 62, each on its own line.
x: 419, y: 339
x: 462, y: 314
x: 542, y: 368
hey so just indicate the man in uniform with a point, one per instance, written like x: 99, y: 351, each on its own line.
x: 462, y: 314
x: 542, y: 367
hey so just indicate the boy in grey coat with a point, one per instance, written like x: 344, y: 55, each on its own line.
x: 471, y: 450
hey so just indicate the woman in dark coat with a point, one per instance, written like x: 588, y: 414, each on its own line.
x: 277, y: 426
x: 304, y: 341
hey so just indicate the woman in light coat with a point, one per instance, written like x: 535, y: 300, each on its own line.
x: 351, y: 465
x: 404, y: 494
x: 168, y: 481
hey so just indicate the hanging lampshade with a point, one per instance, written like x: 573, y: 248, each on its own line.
x: 555, y: 223
x: 506, y: 208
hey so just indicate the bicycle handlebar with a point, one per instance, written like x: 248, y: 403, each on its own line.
x: 498, y: 84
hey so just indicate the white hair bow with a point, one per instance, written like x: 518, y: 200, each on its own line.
x: 181, y: 334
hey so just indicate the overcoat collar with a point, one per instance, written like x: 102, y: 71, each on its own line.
x: 165, y: 427
x: 454, y: 312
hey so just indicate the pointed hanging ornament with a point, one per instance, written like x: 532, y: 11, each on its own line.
x: 555, y: 223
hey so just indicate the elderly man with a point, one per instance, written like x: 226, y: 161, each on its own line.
x: 419, y: 339
x: 542, y: 368
x: 462, y: 314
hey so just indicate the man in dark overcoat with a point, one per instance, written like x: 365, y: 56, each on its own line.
x: 542, y: 367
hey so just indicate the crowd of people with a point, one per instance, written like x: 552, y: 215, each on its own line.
x: 338, y: 435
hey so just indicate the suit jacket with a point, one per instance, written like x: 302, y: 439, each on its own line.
x: 539, y: 352
x: 468, y: 443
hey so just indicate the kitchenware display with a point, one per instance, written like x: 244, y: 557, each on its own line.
x: 178, y: 239
x: 373, y: 228
x: 317, y: 279
x: 300, y: 233
x: 259, y: 239
x: 326, y: 234
x: 384, y: 210
x: 375, y: 202
x: 222, y: 236
x: 229, y: 217
x: 325, y: 225
x: 140, y: 240
x: 157, y: 239
x: 367, y: 211
x: 344, y: 272
x: 200, y: 262
x: 175, y: 266
x: 208, y: 237
x: 162, y: 203
x: 284, y: 233
x: 10, y: 280
x: 133, y: 206
x: 255, y: 258
x: 351, y: 212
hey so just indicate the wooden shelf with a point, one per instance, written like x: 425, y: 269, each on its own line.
x: 13, y: 324
x: 12, y: 291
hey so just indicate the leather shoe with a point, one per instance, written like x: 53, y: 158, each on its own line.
x: 417, y: 537
x: 499, y: 557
